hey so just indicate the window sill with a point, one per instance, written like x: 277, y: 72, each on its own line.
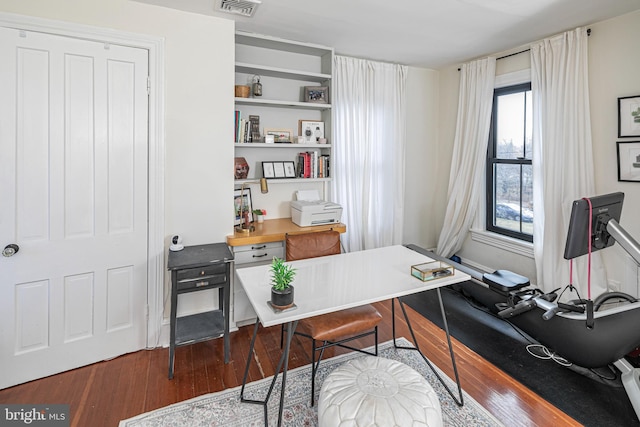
x: 503, y: 242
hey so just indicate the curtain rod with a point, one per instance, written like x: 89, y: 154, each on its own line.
x: 527, y: 50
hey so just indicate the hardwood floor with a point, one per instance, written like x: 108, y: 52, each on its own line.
x: 104, y: 393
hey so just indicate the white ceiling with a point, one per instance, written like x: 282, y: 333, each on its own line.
x: 424, y: 33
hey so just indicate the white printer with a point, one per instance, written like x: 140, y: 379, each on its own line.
x: 309, y: 210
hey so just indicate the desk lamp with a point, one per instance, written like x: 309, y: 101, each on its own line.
x: 244, y: 226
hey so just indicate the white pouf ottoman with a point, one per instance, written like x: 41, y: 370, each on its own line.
x: 374, y: 391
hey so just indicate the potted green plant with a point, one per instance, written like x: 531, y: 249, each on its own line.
x: 259, y: 214
x: 281, y: 287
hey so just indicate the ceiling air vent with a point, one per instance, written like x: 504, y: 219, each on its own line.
x: 239, y: 7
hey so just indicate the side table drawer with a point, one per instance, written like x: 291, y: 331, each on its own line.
x: 200, y: 277
x: 258, y: 252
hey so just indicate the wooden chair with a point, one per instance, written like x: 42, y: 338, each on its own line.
x: 331, y: 329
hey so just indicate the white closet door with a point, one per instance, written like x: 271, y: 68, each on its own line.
x: 73, y: 185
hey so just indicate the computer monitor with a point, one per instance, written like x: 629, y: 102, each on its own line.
x: 603, y: 208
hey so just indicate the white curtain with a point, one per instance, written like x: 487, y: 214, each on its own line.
x: 369, y: 111
x: 562, y: 158
x: 466, y: 178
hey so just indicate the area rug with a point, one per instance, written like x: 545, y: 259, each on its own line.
x: 225, y: 409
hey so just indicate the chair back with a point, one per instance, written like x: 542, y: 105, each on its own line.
x: 310, y: 245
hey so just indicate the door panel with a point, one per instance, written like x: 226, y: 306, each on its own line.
x: 121, y: 148
x: 73, y: 178
x: 79, y: 182
x: 78, y: 294
x: 32, y: 316
x: 32, y: 132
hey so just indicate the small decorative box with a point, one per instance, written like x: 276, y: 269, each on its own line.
x: 432, y: 270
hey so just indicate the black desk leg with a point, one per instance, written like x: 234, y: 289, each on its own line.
x: 284, y: 361
x: 459, y: 400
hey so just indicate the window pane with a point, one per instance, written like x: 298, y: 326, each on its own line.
x: 511, y: 127
x: 527, y: 199
x: 528, y: 141
x: 527, y: 187
x: 507, y: 197
x: 512, y: 184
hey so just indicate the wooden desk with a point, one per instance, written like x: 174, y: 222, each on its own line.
x: 274, y: 230
x: 259, y: 247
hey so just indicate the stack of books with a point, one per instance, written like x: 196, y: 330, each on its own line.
x: 312, y: 165
x: 246, y: 130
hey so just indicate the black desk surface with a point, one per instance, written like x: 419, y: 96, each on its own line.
x: 199, y: 255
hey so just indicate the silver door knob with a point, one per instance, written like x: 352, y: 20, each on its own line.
x: 10, y: 250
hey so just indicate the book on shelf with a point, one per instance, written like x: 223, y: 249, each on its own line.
x: 242, y: 131
x: 312, y: 165
x: 323, y: 167
x: 246, y: 130
x: 304, y: 165
x: 254, y: 125
x: 236, y: 129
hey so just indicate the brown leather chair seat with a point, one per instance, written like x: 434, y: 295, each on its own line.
x: 333, y: 326
x: 311, y: 245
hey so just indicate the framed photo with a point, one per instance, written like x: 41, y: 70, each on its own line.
x: 316, y: 94
x: 278, y: 169
x: 628, y: 161
x: 267, y: 170
x: 280, y: 135
x: 242, y: 205
x: 311, y: 131
x: 289, y: 170
x: 629, y: 116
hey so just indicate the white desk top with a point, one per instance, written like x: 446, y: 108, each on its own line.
x: 337, y: 282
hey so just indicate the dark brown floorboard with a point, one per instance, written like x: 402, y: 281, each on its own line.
x: 104, y: 393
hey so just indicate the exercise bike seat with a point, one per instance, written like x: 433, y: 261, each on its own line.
x: 505, y: 281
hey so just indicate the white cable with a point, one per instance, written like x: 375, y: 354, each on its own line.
x: 541, y: 352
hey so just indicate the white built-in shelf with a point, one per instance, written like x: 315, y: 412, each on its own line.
x: 286, y: 67
x: 283, y: 73
x: 268, y: 42
x: 282, y: 104
x: 281, y: 180
x: 279, y: 145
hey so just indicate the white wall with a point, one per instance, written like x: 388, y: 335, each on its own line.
x: 614, y: 61
x: 613, y: 64
x: 421, y: 165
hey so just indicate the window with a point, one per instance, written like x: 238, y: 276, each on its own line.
x: 509, y: 169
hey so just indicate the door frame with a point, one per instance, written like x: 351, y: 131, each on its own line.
x: 155, y: 85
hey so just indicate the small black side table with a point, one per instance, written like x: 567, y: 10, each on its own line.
x: 193, y: 269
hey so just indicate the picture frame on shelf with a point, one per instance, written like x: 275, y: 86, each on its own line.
x: 242, y: 201
x: 316, y: 94
x: 278, y: 169
x: 628, y: 153
x: 289, y: 170
x: 629, y: 116
x: 267, y: 170
x: 280, y: 135
x: 311, y: 131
